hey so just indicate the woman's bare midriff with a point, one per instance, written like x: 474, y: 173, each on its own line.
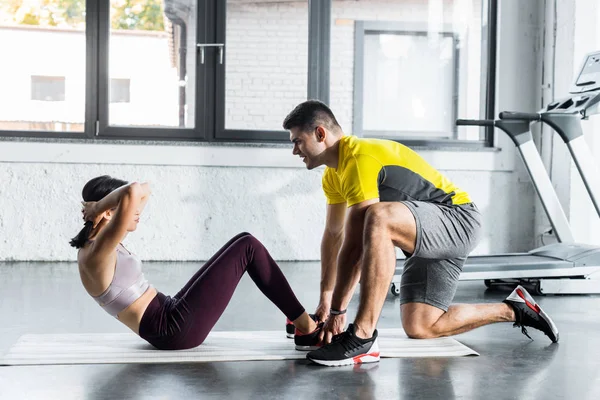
x: 132, y: 315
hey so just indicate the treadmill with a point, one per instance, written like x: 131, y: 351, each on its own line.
x: 565, y: 116
x: 564, y: 267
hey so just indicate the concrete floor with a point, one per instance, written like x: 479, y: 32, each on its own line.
x: 48, y: 298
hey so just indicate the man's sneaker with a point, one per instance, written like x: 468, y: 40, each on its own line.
x: 309, y: 341
x: 290, y: 329
x: 529, y: 313
x: 347, y: 349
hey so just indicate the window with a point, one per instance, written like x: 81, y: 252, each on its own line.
x: 407, y: 70
x: 409, y: 85
x: 119, y: 90
x: 43, y: 69
x: 153, y: 41
x: 48, y: 88
x: 267, y: 62
x: 211, y: 70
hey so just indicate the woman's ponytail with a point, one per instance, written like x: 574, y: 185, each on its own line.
x: 82, y: 237
x: 95, y: 190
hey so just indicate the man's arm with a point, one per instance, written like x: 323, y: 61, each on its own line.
x: 348, y: 263
x: 330, y: 248
x: 348, y: 268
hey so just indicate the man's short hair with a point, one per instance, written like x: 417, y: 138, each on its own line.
x: 310, y: 114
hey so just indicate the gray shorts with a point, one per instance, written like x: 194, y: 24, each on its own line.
x: 446, y: 234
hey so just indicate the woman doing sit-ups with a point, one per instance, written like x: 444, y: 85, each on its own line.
x: 113, y: 276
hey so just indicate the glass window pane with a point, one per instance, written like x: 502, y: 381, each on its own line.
x: 152, y: 61
x: 421, y: 67
x: 405, y: 78
x: 266, y: 72
x: 42, y: 84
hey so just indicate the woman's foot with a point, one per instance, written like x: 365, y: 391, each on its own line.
x: 305, y: 323
x: 308, y: 339
x: 290, y: 328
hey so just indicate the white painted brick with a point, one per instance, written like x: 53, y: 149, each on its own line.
x: 194, y: 210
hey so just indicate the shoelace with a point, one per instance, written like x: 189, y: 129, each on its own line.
x: 519, y: 324
x: 348, y: 342
x: 337, y: 337
x: 523, y: 330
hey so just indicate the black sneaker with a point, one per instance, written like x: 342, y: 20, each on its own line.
x: 309, y: 341
x: 529, y: 313
x: 347, y: 349
x: 290, y: 329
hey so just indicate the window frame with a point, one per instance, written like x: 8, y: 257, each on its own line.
x: 210, y: 81
x: 121, y: 132
x: 364, y: 28
x: 410, y: 138
x: 319, y: 34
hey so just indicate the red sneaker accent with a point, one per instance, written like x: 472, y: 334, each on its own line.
x: 300, y: 333
x: 535, y: 307
x: 358, y: 359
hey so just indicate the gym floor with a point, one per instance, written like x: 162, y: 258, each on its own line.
x: 48, y: 298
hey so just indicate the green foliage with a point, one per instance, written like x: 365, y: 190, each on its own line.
x: 73, y: 10
x: 137, y: 14
x: 125, y: 14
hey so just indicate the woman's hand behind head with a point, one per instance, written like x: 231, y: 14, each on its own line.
x: 90, y: 212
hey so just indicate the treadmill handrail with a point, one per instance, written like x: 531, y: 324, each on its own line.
x: 475, y: 122
x: 519, y: 116
x: 520, y: 134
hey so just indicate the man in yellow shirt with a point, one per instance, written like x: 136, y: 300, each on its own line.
x: 381, y: 194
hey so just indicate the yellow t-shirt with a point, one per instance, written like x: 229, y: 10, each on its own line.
x: 384, y: 169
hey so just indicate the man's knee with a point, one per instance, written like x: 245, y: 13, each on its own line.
x: 416, y: 330
x: 419, y: 320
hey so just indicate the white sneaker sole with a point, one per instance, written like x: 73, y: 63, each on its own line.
x: 307, y: 348
x: 362, y: 359
x: 371, y: 357
x: 289, y: 335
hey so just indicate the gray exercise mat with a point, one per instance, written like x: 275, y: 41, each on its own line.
x: 127, y: 348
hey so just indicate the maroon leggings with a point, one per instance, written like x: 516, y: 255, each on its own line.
x: 184, y: 320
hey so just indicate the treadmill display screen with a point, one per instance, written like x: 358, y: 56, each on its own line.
x: 589, y: 77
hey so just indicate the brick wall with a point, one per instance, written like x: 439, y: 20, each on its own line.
x: 267, y: 63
